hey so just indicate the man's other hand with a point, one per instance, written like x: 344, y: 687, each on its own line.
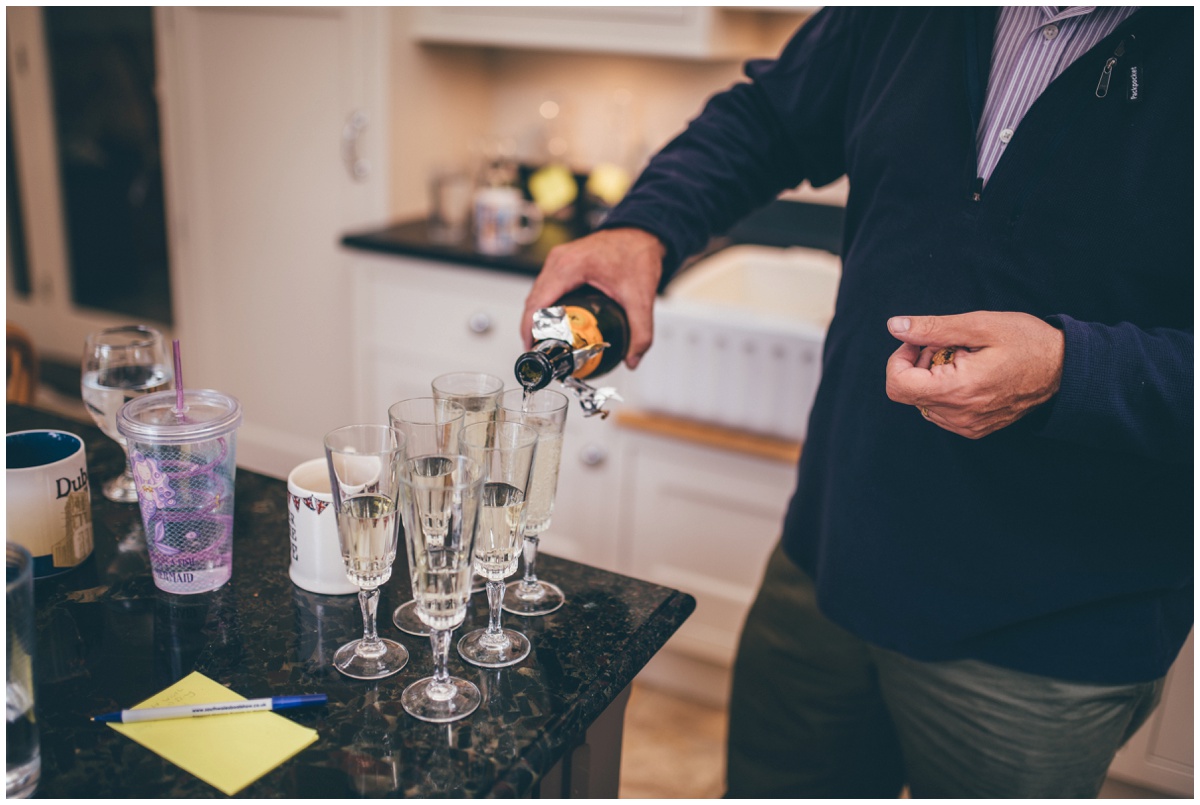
x: 1004, y: 365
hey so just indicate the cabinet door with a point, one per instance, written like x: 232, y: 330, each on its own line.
x: 1161, y: 756
x: 704, y: 521
x: 260, y: 104
x: 417, y: 319
x: 676, y: 31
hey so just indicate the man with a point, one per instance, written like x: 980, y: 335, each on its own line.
x: 986, y: 568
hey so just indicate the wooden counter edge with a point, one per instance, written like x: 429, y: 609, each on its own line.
x: 704, y: 433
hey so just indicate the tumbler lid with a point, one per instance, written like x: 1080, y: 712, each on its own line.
x: 152, y: 418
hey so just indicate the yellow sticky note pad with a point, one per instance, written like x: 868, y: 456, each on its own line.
x: 228, y: 752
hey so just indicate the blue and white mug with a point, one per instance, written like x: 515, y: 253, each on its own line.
x: 49, y: 502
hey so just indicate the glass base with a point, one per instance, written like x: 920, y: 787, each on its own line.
x: 427, y: 701
x: 539, y: 598
x: 493, y: 651
x: 405, y: 619
x: 21, y: 780
x: 359, y: 666
x: 121, y: 489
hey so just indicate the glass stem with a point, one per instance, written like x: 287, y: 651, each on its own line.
x: 530, y: 549
x: 439, y: 640
x: 369, y: 601
x: 495, y: 592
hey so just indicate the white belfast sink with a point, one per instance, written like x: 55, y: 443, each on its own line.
x: 738, y: 338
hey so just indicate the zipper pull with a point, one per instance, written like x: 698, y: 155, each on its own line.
x: 1105, y: 77
x: 1106, y: 73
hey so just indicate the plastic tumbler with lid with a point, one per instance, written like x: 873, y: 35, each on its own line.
x: 183, y: 465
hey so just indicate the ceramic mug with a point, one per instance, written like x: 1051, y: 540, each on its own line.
x: 317, y: 564
x: 504, y: 220
x: 49, y: 501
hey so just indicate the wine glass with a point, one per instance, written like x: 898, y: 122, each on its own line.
x: 440, y: 496
x: 478, y: 393
x: 505, y: 452
x: 430, y: 426
x: 364, y: 463
x: 546, y: 412
x: 119, y: 364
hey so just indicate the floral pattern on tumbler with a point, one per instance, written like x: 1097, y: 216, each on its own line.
x: 185, y: 494
x: 154, y: 490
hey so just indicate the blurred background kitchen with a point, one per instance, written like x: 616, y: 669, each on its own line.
x: 197, y: 169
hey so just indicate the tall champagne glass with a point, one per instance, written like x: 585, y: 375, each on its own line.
x: 364, y: 465
x: 439, y: 498
x: 430, y: 426
x: 546, y: 412
x: 479, y: 395
x: 119, y: 364
x: 505, y: 451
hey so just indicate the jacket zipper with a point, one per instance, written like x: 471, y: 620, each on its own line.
x: 1106, y: 73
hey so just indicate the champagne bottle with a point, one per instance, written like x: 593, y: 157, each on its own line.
x: 584, y: 335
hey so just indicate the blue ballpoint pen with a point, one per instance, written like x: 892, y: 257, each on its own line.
x: 213, y: 709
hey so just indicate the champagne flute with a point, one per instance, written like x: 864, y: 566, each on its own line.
x: 546, y: 412
x: 430, y: 426
x: 119, y: 364
x: 364, y: 463
x: 440, y: 496
x: 505, y: 451
x: 478, y: 393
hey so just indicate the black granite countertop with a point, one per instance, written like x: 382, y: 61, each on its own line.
x: 780, y: 223
x: 108, y: 639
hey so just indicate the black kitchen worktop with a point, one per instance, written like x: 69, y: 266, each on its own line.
x: 108, y: 639
x: 780, y: 223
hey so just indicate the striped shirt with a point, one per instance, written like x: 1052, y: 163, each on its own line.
x: 1033, y: 45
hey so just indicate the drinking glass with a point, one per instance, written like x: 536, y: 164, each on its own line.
x: 120, y: 363
x: 23, y: 769
x: 479, y: 394
x: 505, y: 452
x: 430, y: 426
x: 364, y: 463
x: 476, y: 392
x: 546, y: 412
x: 439, y: 497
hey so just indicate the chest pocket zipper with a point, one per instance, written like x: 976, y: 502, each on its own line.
x: 1106, y: 73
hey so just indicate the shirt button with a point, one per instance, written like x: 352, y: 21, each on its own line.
x: 1006, y: 135
x: 1050, y: 32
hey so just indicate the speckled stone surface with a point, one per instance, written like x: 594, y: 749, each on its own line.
x: 108, y: 639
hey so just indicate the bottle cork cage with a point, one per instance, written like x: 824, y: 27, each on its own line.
x: 738, y: 340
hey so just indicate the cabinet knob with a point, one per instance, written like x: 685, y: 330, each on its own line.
x: 593, y: 455
x: 480, y: 323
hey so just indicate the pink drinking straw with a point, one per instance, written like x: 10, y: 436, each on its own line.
x: 179, y: 408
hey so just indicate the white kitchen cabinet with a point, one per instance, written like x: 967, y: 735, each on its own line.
x: 259, y: 107
x: 416, y: 319
x: 687, y: 32
x: 1161, y: 756
x: 704, y: 520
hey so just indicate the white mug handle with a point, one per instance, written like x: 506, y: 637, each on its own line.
x: 529, y: 231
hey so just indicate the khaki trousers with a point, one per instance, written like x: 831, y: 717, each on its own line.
x: 816, y: 712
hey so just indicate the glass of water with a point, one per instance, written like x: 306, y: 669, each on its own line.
x: 439, y: 500
x: 505, y: 452
x: 364, y: 465
x: 24, y: 767
x: 120, y: 363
